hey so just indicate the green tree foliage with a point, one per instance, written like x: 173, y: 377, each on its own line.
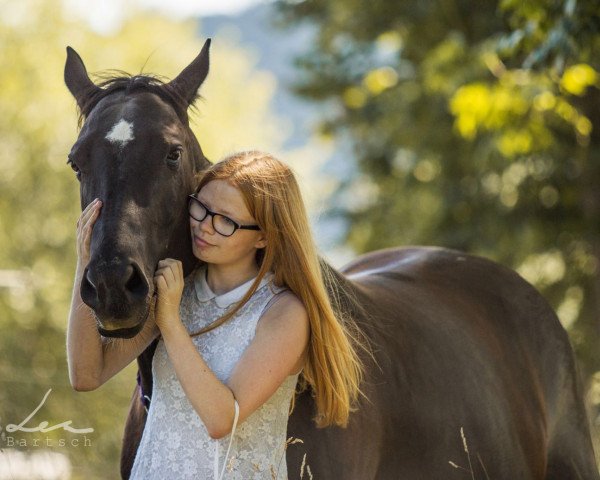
x: 39, y: 204
x: 475, y: 126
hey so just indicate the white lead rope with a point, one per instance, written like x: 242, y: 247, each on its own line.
x: 216, y: 464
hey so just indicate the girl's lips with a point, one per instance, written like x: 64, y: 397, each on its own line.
x: 201, y: 243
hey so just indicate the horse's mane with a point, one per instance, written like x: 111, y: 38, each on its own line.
x: 119, y: 81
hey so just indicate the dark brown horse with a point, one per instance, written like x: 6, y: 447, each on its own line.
x: 474, y: 375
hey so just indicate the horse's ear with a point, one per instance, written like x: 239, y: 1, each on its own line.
x: 189, y: 80
x: 77, y: 79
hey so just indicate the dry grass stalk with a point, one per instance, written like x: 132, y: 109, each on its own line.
x: 302, y: 466
x: 292, y: 440
x: 483, y: 466
x: 464, y: 439
x: 288, y: 442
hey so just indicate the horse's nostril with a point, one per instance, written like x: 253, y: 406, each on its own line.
x: 87, y: 279
x: 88, y: 290
x: 136, y: 284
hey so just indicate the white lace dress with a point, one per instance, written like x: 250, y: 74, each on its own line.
x: 175, y: 444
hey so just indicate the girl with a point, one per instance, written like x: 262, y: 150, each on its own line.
x: 238, y: 333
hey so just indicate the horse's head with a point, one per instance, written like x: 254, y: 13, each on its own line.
x: 136, y: 153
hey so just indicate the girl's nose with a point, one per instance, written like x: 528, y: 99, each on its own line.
x: 206, y: 224
x: 203, y: 226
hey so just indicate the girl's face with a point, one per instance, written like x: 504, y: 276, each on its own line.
x: 219, y: 196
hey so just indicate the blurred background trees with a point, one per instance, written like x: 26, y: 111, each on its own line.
x: 39, y: 207
x: 475, y: 126
x: 470, y: 125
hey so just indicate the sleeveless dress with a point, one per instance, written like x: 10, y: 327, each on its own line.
x: 175, y: 443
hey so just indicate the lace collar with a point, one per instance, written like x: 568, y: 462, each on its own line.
x: 204, y: 293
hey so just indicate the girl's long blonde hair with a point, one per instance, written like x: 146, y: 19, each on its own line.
x: 271, y: 193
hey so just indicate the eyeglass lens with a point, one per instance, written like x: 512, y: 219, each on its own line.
x: 220, y: 223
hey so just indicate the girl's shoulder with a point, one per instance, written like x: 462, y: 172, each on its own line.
x: 284, y: 304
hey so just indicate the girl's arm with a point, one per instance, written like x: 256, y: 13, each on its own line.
x: 93, y: 359
x: 277, y: 350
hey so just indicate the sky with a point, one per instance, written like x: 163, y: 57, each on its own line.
x: 105, y: 16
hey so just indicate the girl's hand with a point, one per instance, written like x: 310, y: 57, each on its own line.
x: 168, y: 282
x: 85, y: 223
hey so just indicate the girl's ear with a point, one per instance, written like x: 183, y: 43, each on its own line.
x: 261, y: 242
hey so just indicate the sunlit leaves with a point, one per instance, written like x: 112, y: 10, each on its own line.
x: 544, y: 269
x: 380, y: 79
x: 578, y: 78
x: 354, y: 97
x: 526, y: 100
x: 479, y: 106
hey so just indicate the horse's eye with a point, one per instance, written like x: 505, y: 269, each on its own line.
x: 174, y: 155
x: 75, y: 168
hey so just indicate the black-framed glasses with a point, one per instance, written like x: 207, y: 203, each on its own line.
x: 223, y: 225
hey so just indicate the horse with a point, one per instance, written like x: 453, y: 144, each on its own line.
x: 471, y: 374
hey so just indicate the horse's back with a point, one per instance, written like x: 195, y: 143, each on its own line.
x: 426, y: 276
x: 470, y: 354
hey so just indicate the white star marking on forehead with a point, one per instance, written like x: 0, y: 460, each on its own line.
x: 121, y: 133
